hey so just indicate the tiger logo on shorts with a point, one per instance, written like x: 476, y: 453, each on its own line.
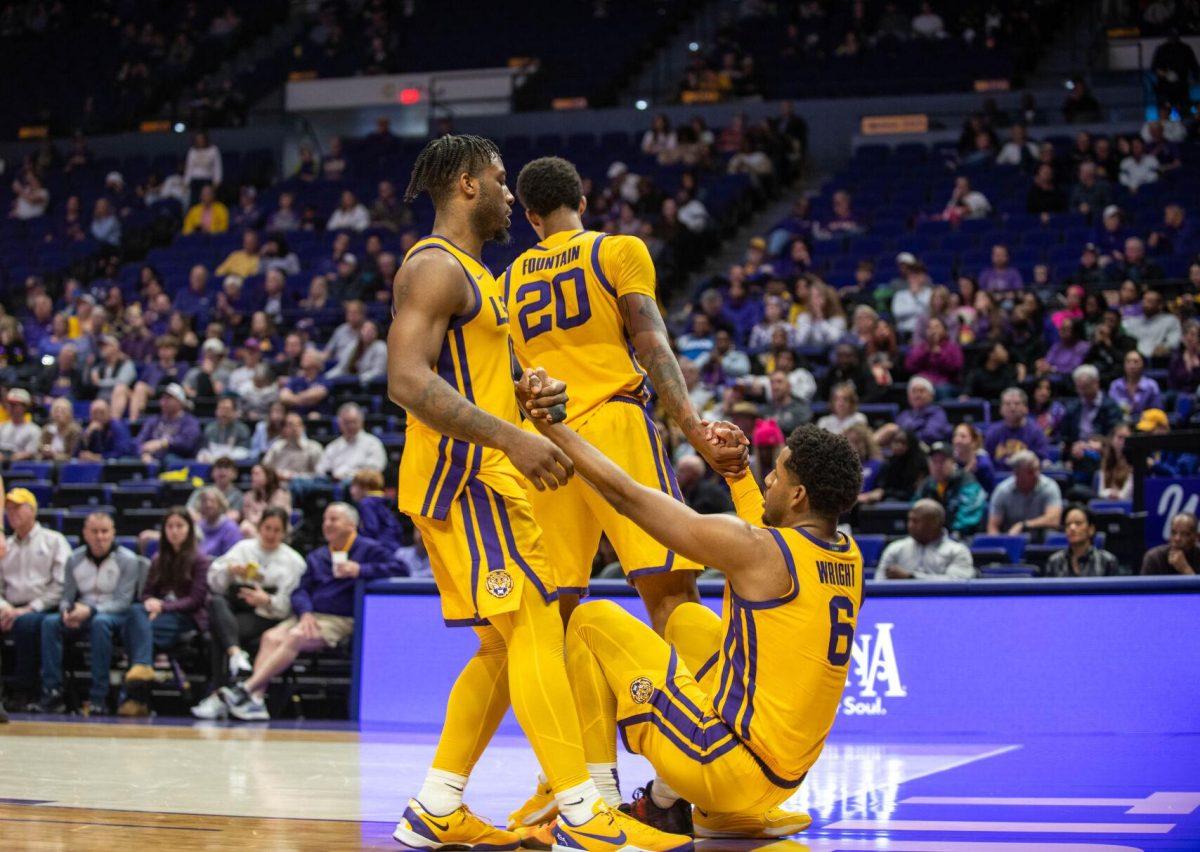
x: 641, y: 690
x: 499, y: 583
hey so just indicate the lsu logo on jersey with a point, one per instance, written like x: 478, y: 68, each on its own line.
x: 499, y: 583
x: 874, y: 670
x: 641, y: 690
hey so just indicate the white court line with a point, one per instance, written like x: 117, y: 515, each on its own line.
x: 1015, y: 827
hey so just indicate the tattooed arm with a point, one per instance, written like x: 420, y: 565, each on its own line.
x: 646, y: 329
x: 428, y: 292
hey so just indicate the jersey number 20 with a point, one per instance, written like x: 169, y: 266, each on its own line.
x: 841, y: 633
x: 535, y: 319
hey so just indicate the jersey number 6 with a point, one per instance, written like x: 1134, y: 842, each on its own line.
x: 840, y: 631
x: 533, y: 317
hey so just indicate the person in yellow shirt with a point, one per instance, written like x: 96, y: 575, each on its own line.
x: 245, y: 261
x: 209, y: 216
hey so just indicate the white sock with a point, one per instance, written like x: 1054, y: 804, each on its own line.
x: 442, y: 792
x: 576, y: 803
x: 604, y: 775
x: 662, y: 794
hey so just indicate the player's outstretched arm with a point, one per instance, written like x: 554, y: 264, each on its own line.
x: 429, y: 291
x: 648, y: 333
x: 725, y: 542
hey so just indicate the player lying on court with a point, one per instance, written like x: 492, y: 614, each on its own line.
x: 731, y: 711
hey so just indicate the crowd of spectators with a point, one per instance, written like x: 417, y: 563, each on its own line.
x: 814, y: 47
x: 1001, y: 393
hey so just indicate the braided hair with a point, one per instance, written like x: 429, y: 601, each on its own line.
x: 442, y: 160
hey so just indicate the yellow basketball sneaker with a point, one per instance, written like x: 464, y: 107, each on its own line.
x: 459, y: 829
x: 541, y: 807
x: 609, y: 830
x: 774, y: 823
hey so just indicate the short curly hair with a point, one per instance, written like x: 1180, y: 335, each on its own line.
x: 547, y: 184
x: 828, y: 468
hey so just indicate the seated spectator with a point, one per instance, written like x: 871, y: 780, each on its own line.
x: 258, y: 399
x: 941, y: 307
x: 902, y: 471
x: 248, y: 215
x: 293, y: 454
x: 223, y: 475
x: 346, y: 336
x: 218, y: 531
x: 173, y: 597
x: 333, y: 166
x: 64, y: 378
x: 353, y: 450
x: 1026, y: 501
x: 922, y: 416
x: 208, y: 216
x: 965, y: 202
x: 936, y: 357
x: 226, y: 436
x: 1081, y: 557
x: 306, y: 392
x: 1045, y: 411
x: 725, y: 363
x: 1166, y: 463
x: 1000, y: 277
x: 862, y: 439
x: 104, y: 437
x: 1090, y: 414
x: 1014, y: 433
x: 174, y: 433
x: 1115, y: 478
x: 378, y: 518
x: 912, y: 302
x: 106, y: 227
x: 1045, y: 196
x: 350, y: 215
x: 700, y: 491
x: 843, y: 222
x: 1080, y: 105
x: 245, y: 261
x: 993, y: 375
x: 32, y: 561
x: 285, y: 217
x: 268, y: 428
x: 265, y: 492
x: 787, y: 411
x: 388, y: 210
x: 1092, y: 193
x: 957, y: 491
x: 366, y: 360
x: 1135, y: 266
x: 114, y: 375
x: 1133, y: 391
x: 927, y: 552
x: 1156, y: 331
x: 100, y: 583
x: 1066, y: 353
x: 1139, y: 168
x: 30, y: 198
x: 1179, y: 555
x: 166, y: 369
x: 251, y: 590
x: 843, y: 410
x: 1184, y: 371
x: 1018, y: 150
x: 322, y: 607
x: 61, y: 436
x: 20, y: 437
x: 971, y: 457
x: 823, y: 323
x: 848, y: 367
x: 1173, y: 234
x: 928, y: 23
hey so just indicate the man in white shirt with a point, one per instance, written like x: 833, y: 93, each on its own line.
x: 293, y: 454
x: 350, y: 215
x: 928, y: 553
x: 19, y: 437
x: 1018, y: 150
x: 32, y: 562
x: 1156, y: 331
x: 1139, y: 168
x: 354, y: 450
x: 345, y: 336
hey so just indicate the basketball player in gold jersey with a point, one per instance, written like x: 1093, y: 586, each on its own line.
x: 463, y: 480
x: 582, y: 304
x: 731, y: 712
